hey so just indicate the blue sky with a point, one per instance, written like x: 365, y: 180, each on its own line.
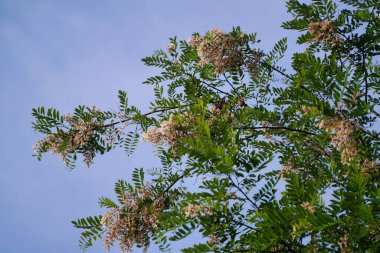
x: 68, y: 53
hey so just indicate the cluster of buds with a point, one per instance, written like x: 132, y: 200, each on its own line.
x: 286, y: 169
x: 213, y: 239
x: 294, y: 231
x: 369, y: 167
x: 325, y: 32
x: 343, y: 139
x: 214, y: 110
x: 309, y: 207
x: 219, y: 49
x: 253, y: 63
x: 241, y: 102
x: 217, y: 107
x: 343, y: 245
x: 192, y: 210
x: 170, y: 48
x: 306, y: 109
x: 134, y: 221
x: 64, y: 143
x: 217, y: 114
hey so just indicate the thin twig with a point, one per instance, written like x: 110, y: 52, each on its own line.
x: 365, y: 78
x: 174, y: 182
x: 145, y: 114
x: 240, y: 190
x: 212, y: 87
x: 279, y: 128
x: 228, y: 81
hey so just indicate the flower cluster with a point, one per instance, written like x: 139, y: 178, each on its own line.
x: 213, y: 239
x: 54, y: 142
x: 241, y: 102
x: 134, y: 221
x: 217, y: 107
x: 64, y: 143
x: 309, y: 207
x: 170, y: 131
x: 294, y: 231
x: 170, y: 48
x: 343, y: 245
x: 165, y: 134
x: 306, y: 109
x: 343, y: 139
x: 253, y: 63
x: 325, y: 32
x: 220, y: 49
x: 83, y: 131
x: 192, y: 210
x: 369, y: 167
x: 285, y: 170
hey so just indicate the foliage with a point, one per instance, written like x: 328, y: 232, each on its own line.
x: 289, y: 158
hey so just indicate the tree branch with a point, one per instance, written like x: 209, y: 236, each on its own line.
x: 145, y: 114
x: 279, y: 128
x: 240, y: 190
x: 365, y: 77
x: 217, y: 89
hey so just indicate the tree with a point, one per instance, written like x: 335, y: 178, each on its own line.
x: 289, y: 157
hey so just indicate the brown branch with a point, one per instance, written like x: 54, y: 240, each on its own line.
x: 376, y: 136
x: 279, y: 128
x: 376, y: 113
x: 245, y: 225
x: 277, y: 70
x: 212, y: 87
x: 228, y: 81
x: 208, y: 85
x: 174, y: 182
x: 240, y: 190
x: 145, y: 114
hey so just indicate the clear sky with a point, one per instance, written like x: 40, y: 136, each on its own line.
x: 73, y: 52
